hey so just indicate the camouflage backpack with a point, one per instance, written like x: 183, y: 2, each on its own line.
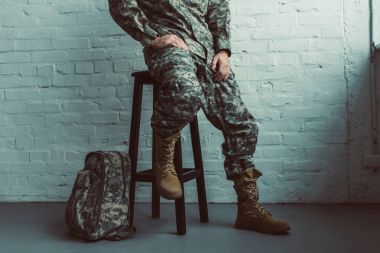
x: 98, y: 207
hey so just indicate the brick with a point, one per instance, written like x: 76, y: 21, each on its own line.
x: 79, y: 107
x: 78, y: 7
x: 16, y: 57
x: 42, y: 107
x: 283, y: 125
x: 283, y: 152
x: 16, y: 21
x: 102, y: 66
x: 65, y: 68
x: 64, y: 32
x: 308, y: 31
x: 99, y: 118
x: 39, y: 10
x: 270, y: 20
x: 58, y: 20
x: 28, y: 45
x: 256, y: 7
x: 12, y: 107
x: 96, y: 18
x: 270, y: 139
x: 333, y: 31
x: 46, y: 70
x: 74, y: 156
x: 288, y: 45
x: 57, y: 155
x: 9, y: 142
x: 271, y: 33
x: 9, y: 156
x: 63, y: 93
x: 304, y: 112
x: 19, y: 130
x: 38, y: 33
x: 71, y: 44
x: 6, y: 46
x: 99, y: 92
x: 286, y: 58
x: 113, y: 105
x: 41, y: 142
x: 70, y: 80
x: 78, y: 130
x: 123, y: 53
x: 243, y: 21
x: 26, y: 120
x: 25, y: 81
x: 84, y: 55
x: 63, y: 118
x: 281, y: 100
x: 18, y: 69
x: 110, y: 30
x: 265, y: 59
x: 325, y: 125
x: 122, y: 66
x: 251, y: 46
x: 84, y: 68
x: 320, y: 18
x: 266, y: 113
x: 328, y: 44
x: 49, y: 56
x: 39, y: 156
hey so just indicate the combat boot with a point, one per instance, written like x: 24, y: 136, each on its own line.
x: 251, y: 215
x: 166, y: 176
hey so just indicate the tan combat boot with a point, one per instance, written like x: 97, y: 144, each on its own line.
x: 166, y: 176
x: 250, y: 214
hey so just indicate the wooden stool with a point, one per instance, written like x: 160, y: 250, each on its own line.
x: 147, y: 175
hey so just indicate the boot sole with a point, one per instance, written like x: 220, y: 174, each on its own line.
x: 170, y: 197
x: 247, y: 227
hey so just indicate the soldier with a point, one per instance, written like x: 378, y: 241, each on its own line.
x: 186, y: 46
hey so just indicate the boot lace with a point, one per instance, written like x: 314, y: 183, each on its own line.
x: 262, y: 210
x: 253, y: 194
x: 167, y: 154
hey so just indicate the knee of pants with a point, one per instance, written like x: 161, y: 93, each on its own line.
x: 253, y: 130
x: 253, y: 126
x: 248, y: 126
x: 179, y: 101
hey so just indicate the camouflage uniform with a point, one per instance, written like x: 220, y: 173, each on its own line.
x: 185, y: 76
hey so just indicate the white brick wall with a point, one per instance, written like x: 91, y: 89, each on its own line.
x: 301, y: 65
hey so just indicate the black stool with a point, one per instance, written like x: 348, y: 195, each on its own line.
x: 147, y: 175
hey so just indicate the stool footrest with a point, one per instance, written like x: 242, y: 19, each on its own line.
x: 146, y: 175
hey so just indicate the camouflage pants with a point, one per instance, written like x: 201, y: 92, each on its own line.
x: 186, y: 85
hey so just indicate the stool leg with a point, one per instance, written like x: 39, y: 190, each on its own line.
x: 180, y: 203
x: 197, y: 153
x: 155, y: 193
x: 134, y: 142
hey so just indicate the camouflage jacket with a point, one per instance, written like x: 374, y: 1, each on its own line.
x: 204, y: 25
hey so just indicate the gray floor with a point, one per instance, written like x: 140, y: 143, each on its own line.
x: 40, y: 227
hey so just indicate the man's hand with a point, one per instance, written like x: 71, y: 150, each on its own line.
x: 220, y: 64
x: 169, y: 40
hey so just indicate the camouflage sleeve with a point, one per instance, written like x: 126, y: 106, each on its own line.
x: 131, y: 19
x: 218, y: 18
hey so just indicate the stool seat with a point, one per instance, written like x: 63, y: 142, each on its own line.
x: 143, y: 76
x: 147, y: 174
